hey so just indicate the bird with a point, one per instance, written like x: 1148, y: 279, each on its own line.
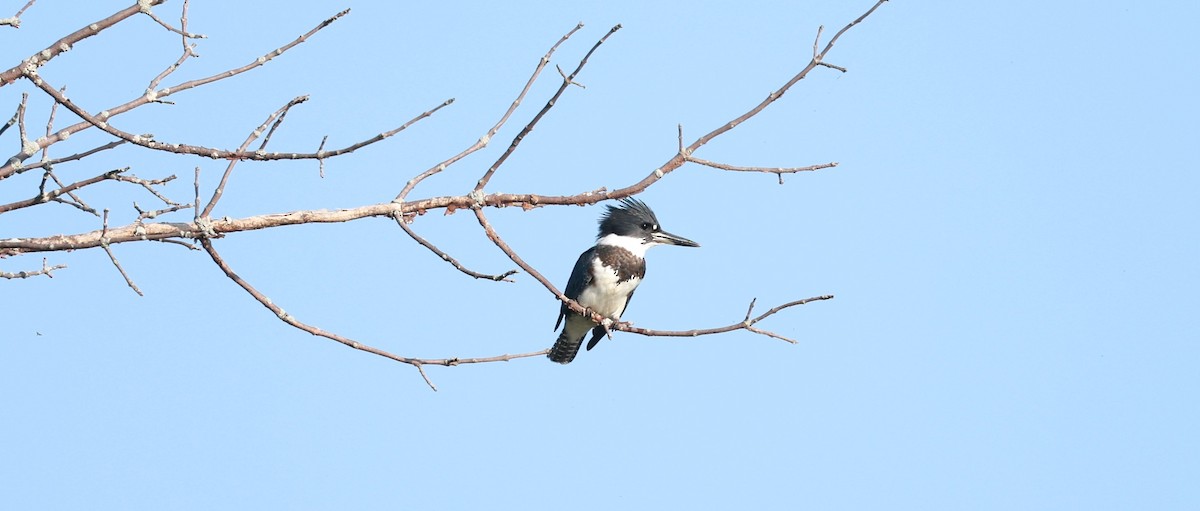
x: 606, y: 275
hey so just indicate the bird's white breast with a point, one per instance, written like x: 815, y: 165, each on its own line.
x: 605, y: 295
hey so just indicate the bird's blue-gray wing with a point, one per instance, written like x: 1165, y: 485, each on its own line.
x: 581, y: 276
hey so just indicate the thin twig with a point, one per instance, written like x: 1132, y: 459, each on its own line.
x: 196, y: 204
x: 13, y: 164
x: 321, y: 161
x: 682, y: 156
x: 181, y: 31
x: 278, y: 114
x: 21, y: 123
x: 45, y: 197
x: 567, y: 81
x: 15, y: 20
x: 73, y: 157
x: 487, y: 137
x: 779, y: 171
x: 11, y: 120
x: 64, y: 44
x: 143, y: 215
x: 46, y: 270
x: 149, y: 185
x: 747, y: 324
x: 113, y: 257
x: 291, y: 320
x: 75, y: 201
x: 189, y: 49
x: 446, y: 257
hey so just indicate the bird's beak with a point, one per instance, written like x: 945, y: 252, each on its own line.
x: 667, y: 238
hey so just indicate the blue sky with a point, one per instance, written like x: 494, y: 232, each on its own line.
x: 1010, y: 235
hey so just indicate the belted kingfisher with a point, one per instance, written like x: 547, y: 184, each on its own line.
x: 606, y: 275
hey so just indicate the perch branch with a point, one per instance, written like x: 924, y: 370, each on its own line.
x: 747, y: 324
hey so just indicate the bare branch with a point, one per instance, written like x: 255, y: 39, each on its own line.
x: 58, y: 47
x: 446, y: 257
x: 24, y: 137
x: 113, y: 258
x: 290, y: 320
x: 196, y: 204
x: 15, y: 20
x: 208, y: 152
x: 143, y: 215
x: 321, y: 161
x: 278, y: 114
x: 75, y: 201
x: 189, y: 49
x: 46, y: 269
x: 779, y: 171
x: 747, y: 324
x: 182, y: 31
x: 679, y: 159
x: 149, y: 185
x: 73, y: 157
x: 44, y: 197
x: 487, y: 137
x: 13, y: 164
x: 567, y: 81
x: 11, y: 120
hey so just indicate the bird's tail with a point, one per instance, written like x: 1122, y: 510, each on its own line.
x: 565, y: 348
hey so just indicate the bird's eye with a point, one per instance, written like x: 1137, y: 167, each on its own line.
x: 646, y: 226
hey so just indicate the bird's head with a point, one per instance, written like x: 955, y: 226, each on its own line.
x: 635, y: 221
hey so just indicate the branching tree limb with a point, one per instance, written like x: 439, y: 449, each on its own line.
x: 203, y: 227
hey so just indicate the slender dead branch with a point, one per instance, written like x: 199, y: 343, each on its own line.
x: 182, y: 31
x: 207, y: 152
x: 770, y: 170
x: 113, y: 258
x: 189, y: 48
x: 679, y: 159
x: 23, y: 136
x: 567, y: 81
x: 46, y: 270
x: 747, y: 324
x: 73, y: 157
x: 151, y: 96
x: 779, y: 171
x: 11, y: 120
x: 291, y: 320
x: 278, y: 114
x: 15, y: 20
x: 487, y: 137
x: 44, y: 197
x: 143, y: 215
x: 446, y: 257
x: 149, y: 185
x: 58, y: 47
x: 75, y: 201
